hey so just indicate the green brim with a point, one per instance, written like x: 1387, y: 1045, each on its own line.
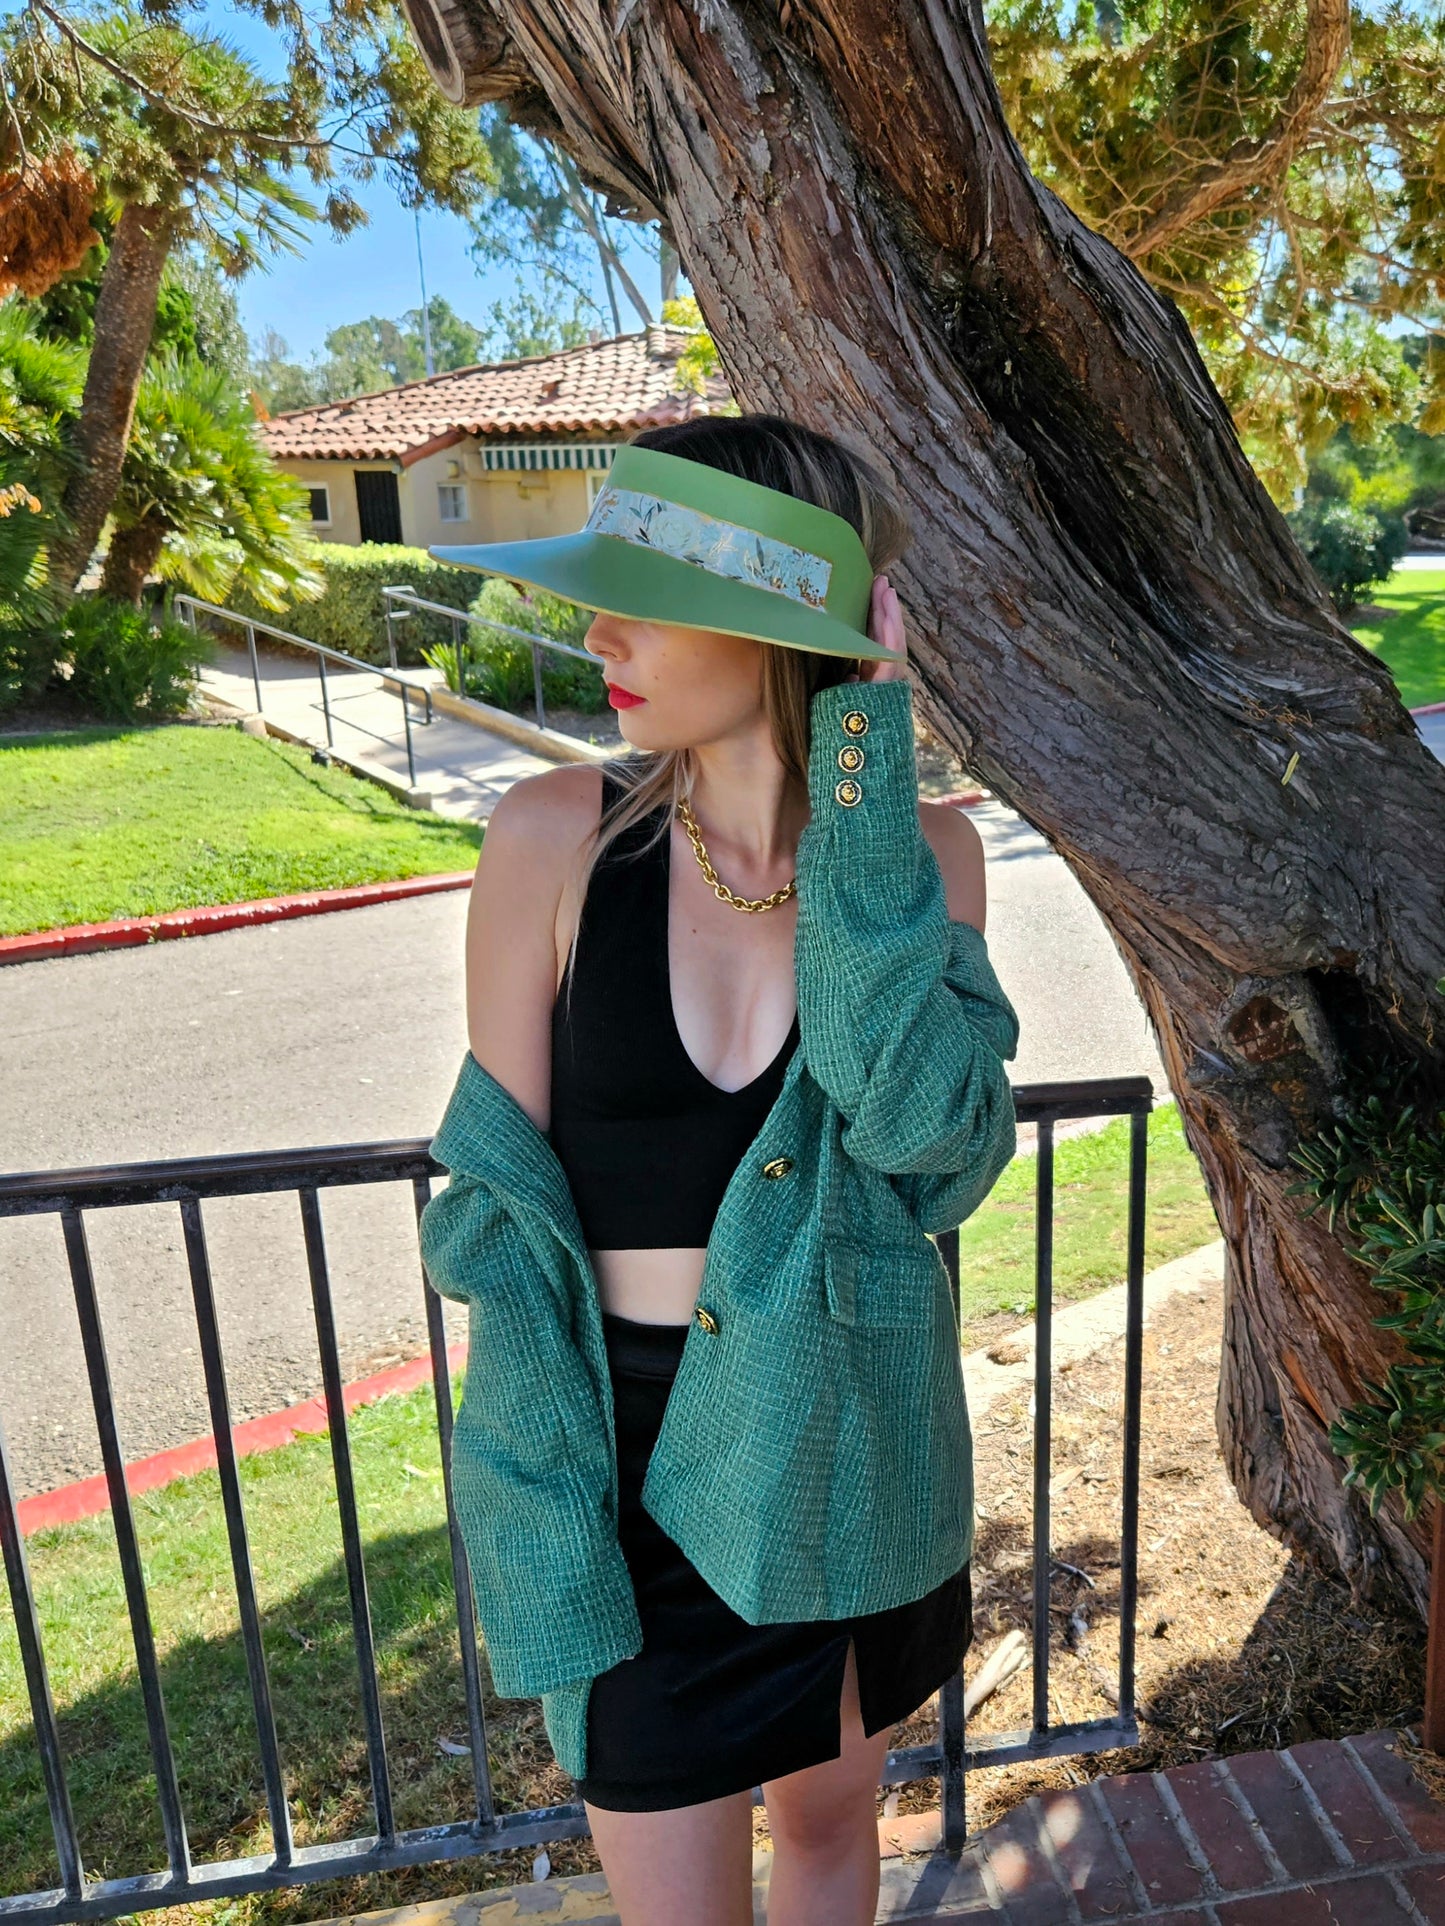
x: 621, y: 578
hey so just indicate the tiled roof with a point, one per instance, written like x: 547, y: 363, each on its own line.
x: 603, y: 388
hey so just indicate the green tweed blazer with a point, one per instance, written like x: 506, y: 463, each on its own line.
x: 814, y: 1459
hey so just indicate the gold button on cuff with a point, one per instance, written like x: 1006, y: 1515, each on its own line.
x: 849, y: 792
x: 856, y: 723
x: 706, y: 1320
x: 777, y: 1166
x: 851, y: 758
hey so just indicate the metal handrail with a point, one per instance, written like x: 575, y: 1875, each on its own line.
x: 186, y: 606
x: 401, y: 602
x: 188, y: 1182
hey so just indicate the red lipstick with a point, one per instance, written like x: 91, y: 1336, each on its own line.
x: 621, y: 698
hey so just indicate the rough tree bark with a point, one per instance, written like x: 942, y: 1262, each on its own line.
x: 1111, y: 622
x: 125, y: 316
x: 132, y: 554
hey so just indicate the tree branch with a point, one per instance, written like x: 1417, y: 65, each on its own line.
x: 1251, y: 162
x: 79, y: 44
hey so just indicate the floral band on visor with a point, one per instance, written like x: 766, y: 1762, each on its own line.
x: 725, y: 548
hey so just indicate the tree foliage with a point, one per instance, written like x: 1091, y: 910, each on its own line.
x: 362, y: 357
x: 545, y: 221
x: 1379, y: 1173
x: 1277, y: 168
x: 172, y: 118
x: 201, y: 502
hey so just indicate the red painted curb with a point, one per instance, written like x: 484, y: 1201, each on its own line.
x: 963, y: 798
x: 88, y: 1496
x: 1428, y: 709
x: 126, y: 931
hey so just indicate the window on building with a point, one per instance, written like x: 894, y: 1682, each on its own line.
x: 320, y: 504
x: 452, y: 501
x: 596, y: 479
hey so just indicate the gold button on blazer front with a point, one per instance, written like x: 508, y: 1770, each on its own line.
x: 706, y: 1319
x: 849, y: 792
x: 851, y: 758
x: 856, y: 723
x: 777, y: 1166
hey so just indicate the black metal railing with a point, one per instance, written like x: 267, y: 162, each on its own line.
x: 189, y: 1183
x: 187, y: 607
x: 401, y: 603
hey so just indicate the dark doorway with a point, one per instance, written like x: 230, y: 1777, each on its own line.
x: 378, y: 505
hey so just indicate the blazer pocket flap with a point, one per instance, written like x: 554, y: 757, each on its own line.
x: 890, y: 1287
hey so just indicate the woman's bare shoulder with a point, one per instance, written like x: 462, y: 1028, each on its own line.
x: 547, y: 817
x: 958, y: 849
x: 535, y: 831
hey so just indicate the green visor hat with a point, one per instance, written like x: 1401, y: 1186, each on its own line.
x: 673, y: 540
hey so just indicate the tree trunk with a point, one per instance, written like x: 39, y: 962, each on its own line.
x: 1110, y: 621
x: 133, y: 553
x: 125, y: 314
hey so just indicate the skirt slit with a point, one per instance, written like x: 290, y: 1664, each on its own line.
x: 712, y: 1705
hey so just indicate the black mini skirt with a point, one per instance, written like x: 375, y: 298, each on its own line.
x: 712, y: 1705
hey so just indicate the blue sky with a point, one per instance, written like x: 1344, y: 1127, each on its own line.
x: 374, y: 269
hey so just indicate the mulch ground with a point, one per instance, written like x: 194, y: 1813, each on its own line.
x: 1240, y: 1646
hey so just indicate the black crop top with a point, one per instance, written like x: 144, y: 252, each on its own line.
x: 648, y: 1143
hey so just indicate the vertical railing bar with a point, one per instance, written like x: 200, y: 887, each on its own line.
x: 461, y: 1572
x: 132, y: 1574
x: 37, y: 1684
x: 457, y: 651
x: 325, y: 698
x: 1043, y: 1414
x: 947, y: 1242
x: 389, y: 606
x: 255, y: 663
x: 218, y: 1399
x: 346, y: 1505
x: 537, y: 686
x: 951, y: 1778
x: 1133, y: 1399
x: 410, y: 754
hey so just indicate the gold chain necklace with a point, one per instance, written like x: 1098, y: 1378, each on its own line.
x: 720, y: 889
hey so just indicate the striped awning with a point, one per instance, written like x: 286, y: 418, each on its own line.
x: 548, y: 454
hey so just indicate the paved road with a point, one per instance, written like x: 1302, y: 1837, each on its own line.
x: 335, y: 1029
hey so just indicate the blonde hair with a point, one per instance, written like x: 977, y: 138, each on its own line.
x: 816, y: 468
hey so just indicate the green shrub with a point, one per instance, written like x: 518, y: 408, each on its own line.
x: 349, y: 612
x: 499, y: 666
x: 27, y: 661
x: 1349, y: 547
x: 123, y: 669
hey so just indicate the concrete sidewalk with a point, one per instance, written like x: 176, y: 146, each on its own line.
x: 461, y: 767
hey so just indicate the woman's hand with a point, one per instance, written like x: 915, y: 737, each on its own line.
x: 885, y: 626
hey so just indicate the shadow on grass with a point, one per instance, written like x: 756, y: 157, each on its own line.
x: 311, y: 1664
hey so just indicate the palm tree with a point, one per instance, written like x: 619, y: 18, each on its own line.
x: 200, y: 501
x: 40, y: 388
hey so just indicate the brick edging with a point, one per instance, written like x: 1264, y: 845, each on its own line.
x: 88, y: 1496
x: 123, y: 932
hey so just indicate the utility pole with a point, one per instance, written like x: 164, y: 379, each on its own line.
x: 431, y: 366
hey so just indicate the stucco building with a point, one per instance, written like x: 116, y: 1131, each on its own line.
x: 501, y: 452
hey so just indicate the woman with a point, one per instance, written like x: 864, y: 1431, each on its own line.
x: 662, y: 982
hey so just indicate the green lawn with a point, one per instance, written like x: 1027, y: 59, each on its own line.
x: 110, y: 822
x: 294, y: 1528
x: 1091, y: 1177
x: 1412, y: 642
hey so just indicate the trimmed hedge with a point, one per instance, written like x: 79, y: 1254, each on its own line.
x: 348, y: 614
x: 499, y: 666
